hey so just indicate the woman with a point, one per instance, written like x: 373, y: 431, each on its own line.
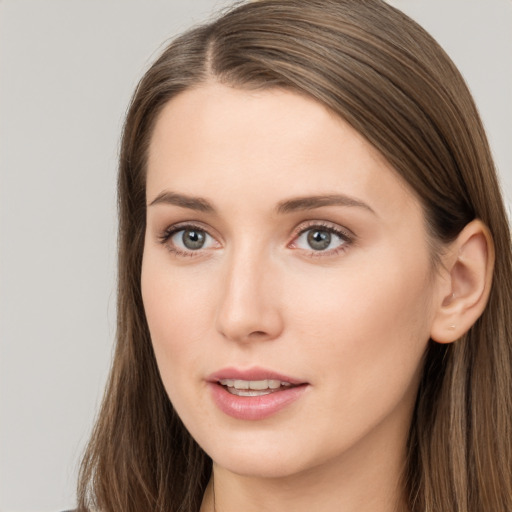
x: 314, y: 269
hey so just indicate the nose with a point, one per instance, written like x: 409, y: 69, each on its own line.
x: 249, y: 308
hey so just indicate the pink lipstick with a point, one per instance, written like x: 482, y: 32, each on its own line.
x: 253, y: 394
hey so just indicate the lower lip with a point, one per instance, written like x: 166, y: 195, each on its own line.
x: 254, y: 407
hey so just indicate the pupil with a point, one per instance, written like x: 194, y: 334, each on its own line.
x: 193, y: 239
x: 319, y: 240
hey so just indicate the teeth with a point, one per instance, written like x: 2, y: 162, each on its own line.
x: 241, y: 384
x: 250, y: 392
x: 257, y: 385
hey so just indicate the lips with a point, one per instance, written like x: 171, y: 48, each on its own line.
x: 253, y: 394
x: 252, y: 374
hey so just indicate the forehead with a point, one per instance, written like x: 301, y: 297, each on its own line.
x: 238, y: 144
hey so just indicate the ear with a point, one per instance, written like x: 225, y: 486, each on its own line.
x: 468, y: 269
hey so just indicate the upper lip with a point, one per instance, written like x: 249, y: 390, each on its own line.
x: 252, y: 374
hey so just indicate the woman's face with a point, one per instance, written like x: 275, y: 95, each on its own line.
x: 287, y: 282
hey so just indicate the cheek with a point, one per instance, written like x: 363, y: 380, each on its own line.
x: 178, y: 311
x: 363, y: 335
x: 366, y: 321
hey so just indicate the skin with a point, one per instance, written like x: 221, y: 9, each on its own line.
x: 353, y: 322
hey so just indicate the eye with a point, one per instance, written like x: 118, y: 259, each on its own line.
x: 191, y: 239
x: 322, y: 239
x: 185, y: 240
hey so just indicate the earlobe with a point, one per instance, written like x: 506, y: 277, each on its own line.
x: 469, y: 265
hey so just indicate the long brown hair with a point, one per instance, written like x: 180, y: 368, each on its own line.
x: 383, y: 74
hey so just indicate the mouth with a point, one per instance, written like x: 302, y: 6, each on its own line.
x: 254, y: 394
x: 263, y: 387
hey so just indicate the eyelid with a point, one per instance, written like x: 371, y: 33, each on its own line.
x: 342, y: 232
x: 329, y: 226
x: 166, y: 233
x: 165, y: 236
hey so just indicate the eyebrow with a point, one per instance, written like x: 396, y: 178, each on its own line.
x: 190, y: 202
x: 312, y: 202
x: 288, y: 206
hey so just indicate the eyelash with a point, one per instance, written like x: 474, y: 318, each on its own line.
x: 165, y: 237
x: 347, y: 238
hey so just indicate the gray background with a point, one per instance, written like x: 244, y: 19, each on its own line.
x: 67, y: 70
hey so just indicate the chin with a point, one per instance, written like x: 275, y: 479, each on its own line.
x: 272, y: 459
x: 259, y: 466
